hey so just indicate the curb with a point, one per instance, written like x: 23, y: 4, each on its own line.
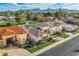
x: 53, y: 45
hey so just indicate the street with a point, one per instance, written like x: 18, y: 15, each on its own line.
x: 68, y: 48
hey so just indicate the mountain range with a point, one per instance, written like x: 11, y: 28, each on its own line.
x: 69, y: 7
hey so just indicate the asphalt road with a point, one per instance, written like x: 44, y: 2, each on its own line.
x: 68, y: 48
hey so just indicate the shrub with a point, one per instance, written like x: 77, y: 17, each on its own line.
x: 5, y: 54
x: 2, y: 47
x: 62, y: 34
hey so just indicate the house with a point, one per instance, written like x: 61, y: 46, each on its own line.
x: 11, y: 18
x: 70, y: 20
x: 49, y: 18
x: 2, y: 18
x: 42, y: 26
x: 70, y: 27
x: 56, y: 26
x: 37, y: 35
x: 13, y: 35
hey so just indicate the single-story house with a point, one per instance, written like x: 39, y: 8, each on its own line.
x: 11, y: 18
x: 12, y: 35
x: 2, y: 18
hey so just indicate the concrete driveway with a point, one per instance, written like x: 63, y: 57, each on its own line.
x: 15, y: 52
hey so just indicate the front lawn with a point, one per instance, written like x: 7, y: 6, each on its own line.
x: 2, y: 47
x: 40, y: 46
x: 76, y: 31
x: 62, y: 34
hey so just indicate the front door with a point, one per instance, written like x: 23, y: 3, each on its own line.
x: 9, y: 41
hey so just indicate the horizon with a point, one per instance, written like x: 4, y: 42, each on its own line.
x: 41, y: 6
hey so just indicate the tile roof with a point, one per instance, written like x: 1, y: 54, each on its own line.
x: 34, y: 32
x: 49, y: 18
x: 56, y: 23
x: 42, y: 24
x: 5, y: 31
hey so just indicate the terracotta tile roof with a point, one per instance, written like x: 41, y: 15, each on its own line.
x: 0, y: 37
x: 5, y: 31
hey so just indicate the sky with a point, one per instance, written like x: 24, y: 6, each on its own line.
x: 17, y: 6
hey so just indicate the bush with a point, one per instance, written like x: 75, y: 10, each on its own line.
x: 62, y: 34
x: 76, y: 31
x: 27, y: 45
x: 2, y: 47
x: 49, y: 39
x: 5, y: 54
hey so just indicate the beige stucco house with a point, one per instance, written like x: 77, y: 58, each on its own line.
x: 56, y: 26
x: 36, y: 35
x: 13, y: 35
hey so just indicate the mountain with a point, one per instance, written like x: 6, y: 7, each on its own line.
x: 40, y: 7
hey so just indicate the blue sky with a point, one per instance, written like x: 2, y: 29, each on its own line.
x: 17, y: 6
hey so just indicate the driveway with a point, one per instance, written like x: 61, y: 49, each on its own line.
x: 15, y: 52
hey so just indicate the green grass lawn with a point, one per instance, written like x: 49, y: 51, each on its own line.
x: 31, y: 23
x: 2, y: 47
x: 38, y: 47
x: 2, y: 24
x: 76, y: 31
x: 14, y: 23
x: 62, y: 34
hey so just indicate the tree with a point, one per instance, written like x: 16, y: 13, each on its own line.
x: 9, y: 24
x: 61, y: 13
x: 56, y: 14
x: 39, y: 17
x: 20, y: 17
x: 20, y: 20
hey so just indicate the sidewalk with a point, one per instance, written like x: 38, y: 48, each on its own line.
x: 53, y: 45
x: 15, y: 52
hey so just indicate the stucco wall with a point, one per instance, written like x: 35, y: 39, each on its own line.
x: 1, y: 42
x: 22, y: 38
x: 6, y: 37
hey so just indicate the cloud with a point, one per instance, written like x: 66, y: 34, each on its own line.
x: 48, y: 5
x: 17, y: 6
x: 34, y: 5
x: 72, y: 6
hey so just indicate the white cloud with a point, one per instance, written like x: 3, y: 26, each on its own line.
x: 72, y: 7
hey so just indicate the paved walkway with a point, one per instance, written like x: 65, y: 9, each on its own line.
x: 15, y: 52
x: 69, y: 34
